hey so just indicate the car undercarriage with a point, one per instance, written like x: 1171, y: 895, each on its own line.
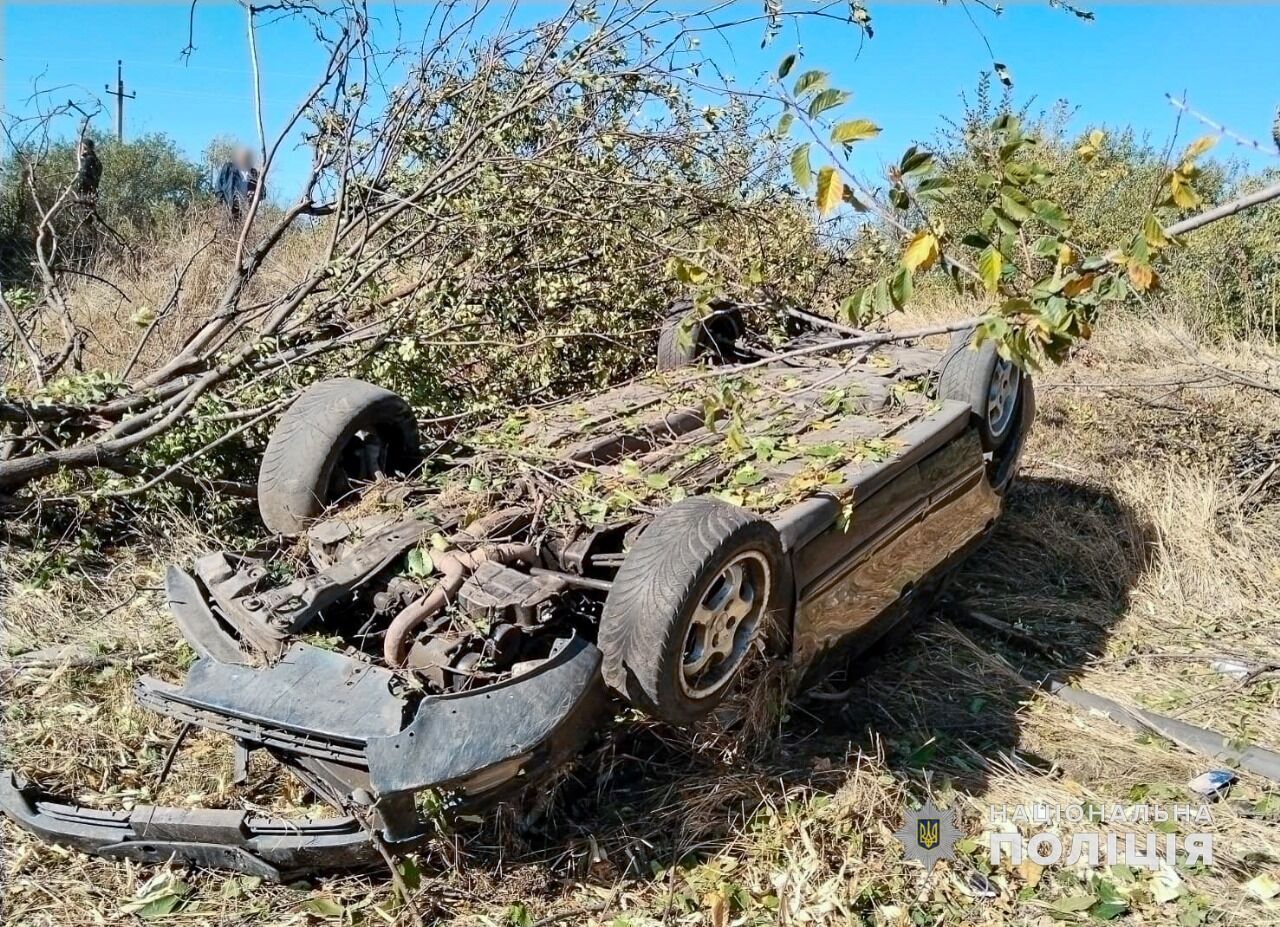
x: 461, y: 627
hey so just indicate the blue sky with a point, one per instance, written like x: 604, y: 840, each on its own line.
x: 1116, y: 70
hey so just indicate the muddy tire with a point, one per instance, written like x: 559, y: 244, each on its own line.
x: 336, y: 434
x: 712, y: 337
x: 695, y: 597
x: 987, y: 382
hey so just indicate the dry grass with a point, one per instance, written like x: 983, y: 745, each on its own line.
x: 1137, y: 549
x: 127, y: 288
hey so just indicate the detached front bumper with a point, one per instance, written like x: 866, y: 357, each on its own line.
x: 273, y: 848
x: 347, y: 730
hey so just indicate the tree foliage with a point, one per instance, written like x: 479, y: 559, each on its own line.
x: 145, y: 181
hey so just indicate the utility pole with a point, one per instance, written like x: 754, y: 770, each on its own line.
x: 120, y: 96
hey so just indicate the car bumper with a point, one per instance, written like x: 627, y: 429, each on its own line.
x: 347, y: 729
x: 273, y: 848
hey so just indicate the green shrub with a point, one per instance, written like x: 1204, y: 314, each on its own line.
x: 1227, y: 277
x: 144, y: 182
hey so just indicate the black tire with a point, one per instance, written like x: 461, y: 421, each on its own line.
x: 336, y: 432
x: 712, y: 336
x: 987, y: 382
x: 682, y: 560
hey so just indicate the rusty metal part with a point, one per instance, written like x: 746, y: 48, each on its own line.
x: 582, y: 582
x: 455, y: 566
x: 495, y: 592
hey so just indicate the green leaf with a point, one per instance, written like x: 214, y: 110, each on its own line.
x: 828, y: 99
x: 657, y: 481
x: 915, y: 160
x: 809, y: 80
x: 419, y: 563
x: 1014, y: 208
x: 787, y: 64
x: 933, y: 187
x: 1050, y: 213
x: 784, y: 123
x: 851, y: 308
x: 825, y: 451
x: 1074, y: 903
x: 323, y: 907
x: 830, y: 190
x: 1047, y: 246
x: 901, y: 287
x: 990, y: 265
x: 518, y: 915
x: 747, y: 475
x: 854, y: 130
x: 158, y: 897
x: 1108, y: 910
x: 800, y: 168
x: 407, y: 866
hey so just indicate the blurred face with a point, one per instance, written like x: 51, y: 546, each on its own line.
x: 243, y: 159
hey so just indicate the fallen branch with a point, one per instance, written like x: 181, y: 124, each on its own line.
x: 829, y: 347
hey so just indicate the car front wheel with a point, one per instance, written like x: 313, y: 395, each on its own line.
x: 695, y: 598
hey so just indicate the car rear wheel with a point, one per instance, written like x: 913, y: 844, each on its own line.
x: 680, y: 345
x: 336, y: 435
x: 989, y: 383
x: 694, y: 599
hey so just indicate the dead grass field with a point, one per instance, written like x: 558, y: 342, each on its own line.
x: 1139, y: 546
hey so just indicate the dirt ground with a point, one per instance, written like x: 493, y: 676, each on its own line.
x: 1141, y: 546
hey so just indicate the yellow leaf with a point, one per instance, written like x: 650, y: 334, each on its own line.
x: 717, y: 909
x: 921, y: 252
x: 1154, y: 232
x: 1066, y: 256
x: 1199, y: 147
x: 990, y: 266
x: 830, y: 190
x: 1089, y: 149
x: 1142, y: 277
x: 855, y: 130
x: 1030, y: 872
x: 1074, y: 288
x: 1184, y: 195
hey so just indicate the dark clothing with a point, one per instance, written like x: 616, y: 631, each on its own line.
x: 235, y: 188
x: 88, y: 174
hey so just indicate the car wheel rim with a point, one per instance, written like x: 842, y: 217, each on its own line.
x: 725, y: 624
x: 1002, y: 396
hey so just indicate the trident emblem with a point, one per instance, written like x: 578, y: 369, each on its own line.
x: 927, y: 833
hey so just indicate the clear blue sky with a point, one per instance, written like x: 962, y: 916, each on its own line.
x: 1115, y: 70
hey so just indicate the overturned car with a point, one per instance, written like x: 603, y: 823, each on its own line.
x: 463, y: 621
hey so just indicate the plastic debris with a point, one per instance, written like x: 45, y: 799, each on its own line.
x: 1233, y: 668
x: 980, y: 886
x: 1212, y: 784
